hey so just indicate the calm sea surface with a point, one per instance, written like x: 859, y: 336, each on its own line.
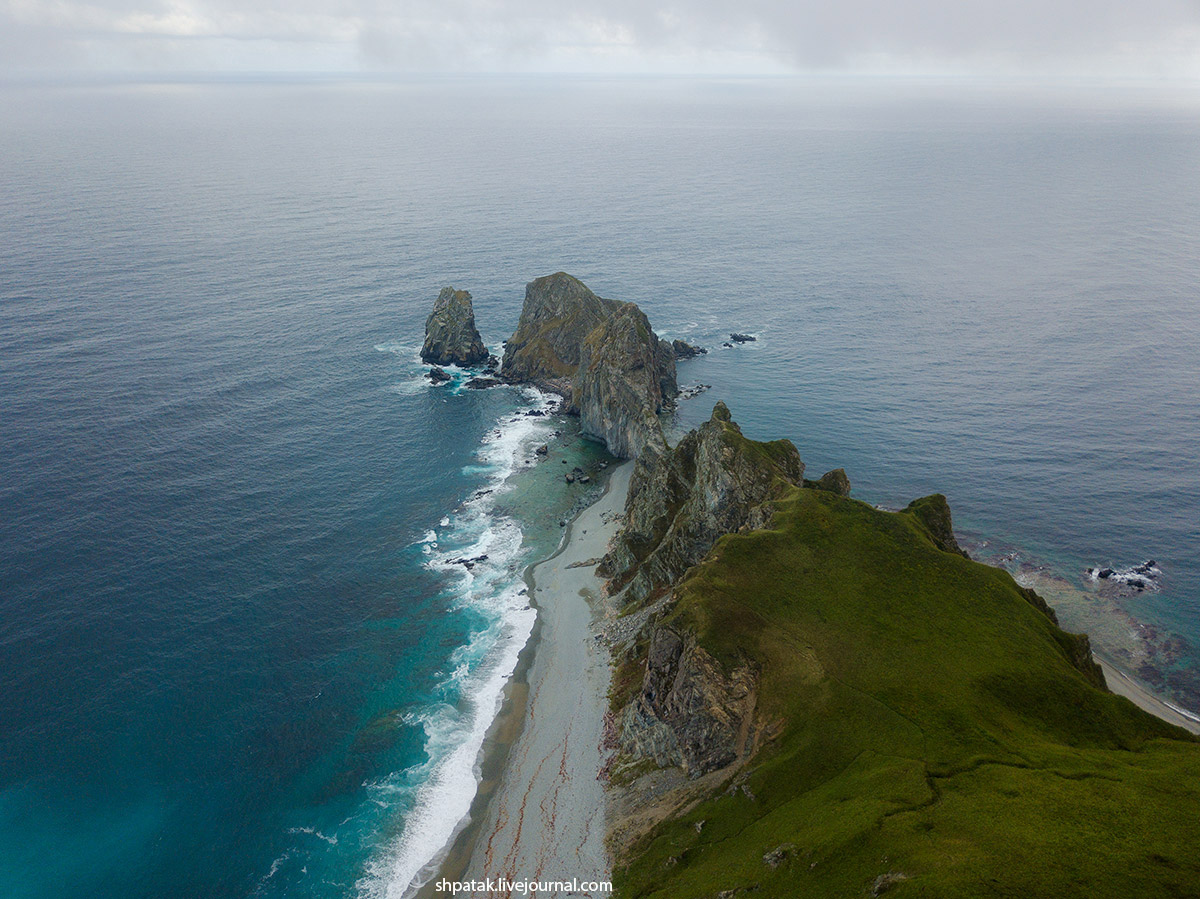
x: 237, y: 654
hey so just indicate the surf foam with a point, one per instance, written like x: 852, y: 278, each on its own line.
x: 479, y: 552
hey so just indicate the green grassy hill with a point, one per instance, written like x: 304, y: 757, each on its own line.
x: 936, y: 734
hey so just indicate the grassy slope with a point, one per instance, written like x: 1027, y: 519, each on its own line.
x: 930, y: 724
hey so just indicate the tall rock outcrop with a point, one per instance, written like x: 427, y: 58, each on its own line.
x: 714, y: 482
x: 625, y: 376
x: 558, y: 313
x: 833, y: 481
x: 451, y: 337
x: 599, y: 354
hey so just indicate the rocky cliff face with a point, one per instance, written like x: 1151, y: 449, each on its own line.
x: 689, y: 712
x: 625, y: 376
x: 451, y: 337
x: 681, y: 500
x: 558, y: 314
x: 602, y: 355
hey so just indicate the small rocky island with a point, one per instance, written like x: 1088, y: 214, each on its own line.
x: 451, y: 337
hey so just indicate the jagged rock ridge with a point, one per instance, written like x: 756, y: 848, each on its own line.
x: 714, y: 482
x: 451, y: 337
x: 848, y: 699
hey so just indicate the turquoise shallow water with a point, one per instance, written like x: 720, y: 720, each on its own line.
x: 231, y: 657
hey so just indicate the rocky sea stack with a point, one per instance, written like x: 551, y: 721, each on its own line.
x: 451, y: 337
x: 600, y: 355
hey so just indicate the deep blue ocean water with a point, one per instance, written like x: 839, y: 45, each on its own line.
x: 236, y: 656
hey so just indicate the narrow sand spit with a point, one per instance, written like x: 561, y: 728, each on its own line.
x: 544, y: 818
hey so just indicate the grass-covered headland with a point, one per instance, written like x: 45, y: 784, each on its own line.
x: 929, y: 731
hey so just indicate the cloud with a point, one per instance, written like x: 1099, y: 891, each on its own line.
x: 1057, y: 36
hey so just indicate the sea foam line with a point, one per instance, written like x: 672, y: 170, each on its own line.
x: 477, y: 672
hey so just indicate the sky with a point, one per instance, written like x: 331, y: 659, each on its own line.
x: 1056, y: 38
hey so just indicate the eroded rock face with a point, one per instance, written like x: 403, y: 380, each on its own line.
x: 451, y: 337
x: 689, y: 712
x: 558, y: 313
x: 681, y: 500
x: 600, y: 354
x: 625, y: 376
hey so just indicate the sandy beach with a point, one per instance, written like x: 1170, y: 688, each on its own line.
x: 1124, y: 685
x: 540, y: 813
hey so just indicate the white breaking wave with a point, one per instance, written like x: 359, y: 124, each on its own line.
x: 1139, y: 577
x: 480, y: 550
x: 417, y: 380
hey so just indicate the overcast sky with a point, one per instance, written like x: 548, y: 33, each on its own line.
x: 1048, y: 37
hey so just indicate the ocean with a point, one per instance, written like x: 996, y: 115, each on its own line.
x: 240, y: 653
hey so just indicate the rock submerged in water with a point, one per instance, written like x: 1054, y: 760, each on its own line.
x: 684, y: 350
x: 480, y: 383
x: 1138, y: 577
x: 602, y: 355
x: 437, y: 375
x: 742, y: 338
x: 933, y: 512
x: 451, y: 337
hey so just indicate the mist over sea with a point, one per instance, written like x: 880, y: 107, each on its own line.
x: 237, y: 655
